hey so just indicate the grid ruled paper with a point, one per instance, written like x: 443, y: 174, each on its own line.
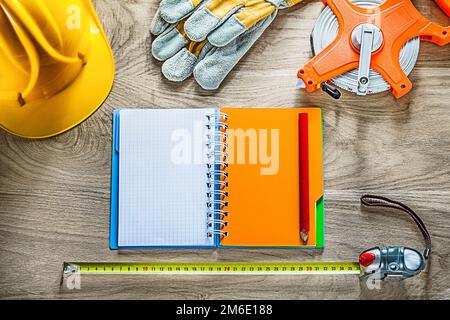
x: 162, y: 178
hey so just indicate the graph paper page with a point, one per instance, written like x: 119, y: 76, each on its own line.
x: 162, y: 178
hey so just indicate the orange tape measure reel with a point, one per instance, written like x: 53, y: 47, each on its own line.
x: 371, y: 39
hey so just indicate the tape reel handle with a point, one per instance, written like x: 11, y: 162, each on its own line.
x: 434, y: 32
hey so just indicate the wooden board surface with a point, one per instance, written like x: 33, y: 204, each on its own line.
x: 54, y: 194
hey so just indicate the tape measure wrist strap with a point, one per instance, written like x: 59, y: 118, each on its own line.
x: 379, y: 201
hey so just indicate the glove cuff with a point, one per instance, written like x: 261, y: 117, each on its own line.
x: 282, y: 4
x: 291, y: 3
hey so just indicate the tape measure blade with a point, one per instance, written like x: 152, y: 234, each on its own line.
x: 307, y: 268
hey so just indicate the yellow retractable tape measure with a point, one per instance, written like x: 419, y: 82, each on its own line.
x: 377, y: 263
x: 219, y: 268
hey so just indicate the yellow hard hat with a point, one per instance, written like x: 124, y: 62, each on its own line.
x: 56, y: 66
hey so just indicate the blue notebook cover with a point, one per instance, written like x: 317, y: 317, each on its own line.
x: 113, y: 235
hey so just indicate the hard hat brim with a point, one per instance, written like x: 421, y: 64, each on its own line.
x: 53, y: 116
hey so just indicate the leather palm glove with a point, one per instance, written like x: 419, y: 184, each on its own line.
x: 208, y: 38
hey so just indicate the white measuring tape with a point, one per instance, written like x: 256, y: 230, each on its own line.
x: 326, y: 30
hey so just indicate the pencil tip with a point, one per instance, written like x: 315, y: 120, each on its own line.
x: 304, y: 236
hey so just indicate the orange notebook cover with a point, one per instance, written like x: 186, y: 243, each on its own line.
x: 263, y: 175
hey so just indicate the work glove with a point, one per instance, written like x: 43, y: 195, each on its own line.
x: 208, y: 38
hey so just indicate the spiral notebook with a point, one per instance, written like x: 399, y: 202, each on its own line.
x: 217, y: 177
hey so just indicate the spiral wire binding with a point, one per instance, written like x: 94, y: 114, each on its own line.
x: 217, y: 164
x: 220, y: 192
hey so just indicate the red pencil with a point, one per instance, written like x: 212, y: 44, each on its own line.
x: 303, y: 137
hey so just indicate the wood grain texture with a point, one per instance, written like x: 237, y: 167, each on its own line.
x: 54, y: 194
